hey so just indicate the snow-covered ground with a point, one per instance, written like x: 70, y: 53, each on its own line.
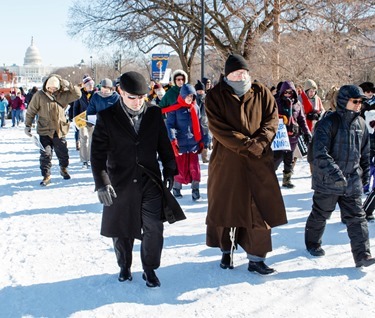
x: 54, y: 263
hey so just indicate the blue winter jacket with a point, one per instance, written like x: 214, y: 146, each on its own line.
x: 99, y: 102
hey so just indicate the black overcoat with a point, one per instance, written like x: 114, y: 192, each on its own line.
x: 121, y: 157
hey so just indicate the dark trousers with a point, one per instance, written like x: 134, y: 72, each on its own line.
x: 152, y: 230
x: 286, y: 156
x: 61, y: 150
x: 351, y: 213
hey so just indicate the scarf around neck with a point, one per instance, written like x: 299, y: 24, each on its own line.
x: 239, y: 87
x: 193, y: 113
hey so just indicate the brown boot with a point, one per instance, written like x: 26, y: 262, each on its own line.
x: 286, y: 180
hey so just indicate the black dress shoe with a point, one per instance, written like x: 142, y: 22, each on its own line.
x: 151, y: 279
x: 226, y: 261
x: 260, y: 268
x: 125, y: 274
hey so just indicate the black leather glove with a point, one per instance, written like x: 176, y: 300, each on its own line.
x: 105, y: 195
x: 310, y: 116
x: 307, y: 138
x: 168, y: 182
x: 316, y: 116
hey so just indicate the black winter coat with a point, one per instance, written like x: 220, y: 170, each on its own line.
x: 345, y: 158
x: 121, y: 157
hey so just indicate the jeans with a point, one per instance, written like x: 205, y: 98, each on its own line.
x: 2, y: 115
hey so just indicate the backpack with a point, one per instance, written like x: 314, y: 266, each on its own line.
x: 335, y: 128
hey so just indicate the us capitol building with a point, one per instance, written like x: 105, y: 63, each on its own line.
x: 33, y: 72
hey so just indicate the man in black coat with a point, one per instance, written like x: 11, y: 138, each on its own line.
x: 341, y: 164
x: 126, y: 141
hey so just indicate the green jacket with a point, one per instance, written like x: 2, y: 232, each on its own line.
x: 170, y: 97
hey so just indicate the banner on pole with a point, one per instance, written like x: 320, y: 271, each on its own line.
x: 159, y: 64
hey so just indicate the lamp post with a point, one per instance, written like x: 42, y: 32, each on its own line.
x: 203, y: 40
x: 351, y: 53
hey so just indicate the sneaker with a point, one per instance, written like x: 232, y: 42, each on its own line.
x: 366, y: 261
x: 195, y: 194
x: 64, y: 173
x: 46, y: 181
x: 226, y: 261
x: 177, y: 193
x: 151, y: 279
x: 316, y: 251
x: 125, y: 274
x: 260, y: 268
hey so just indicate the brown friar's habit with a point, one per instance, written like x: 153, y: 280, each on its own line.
x: 243, y: 190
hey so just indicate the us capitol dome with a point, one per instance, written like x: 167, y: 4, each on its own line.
x: 32, y: 55
x: 32, y: 72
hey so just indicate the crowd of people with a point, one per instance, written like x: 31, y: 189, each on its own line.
x: 144, y: 142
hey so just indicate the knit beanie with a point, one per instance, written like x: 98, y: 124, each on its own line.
x: 106, y: 82
x: 53, y: 81
x: 235, y: 62
x: 133, y: 83
x: 199, y: 86
x: 187, y: 89
x: 86, y: 79
x: 310, y: 84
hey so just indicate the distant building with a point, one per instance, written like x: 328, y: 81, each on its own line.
x: 32, y: 73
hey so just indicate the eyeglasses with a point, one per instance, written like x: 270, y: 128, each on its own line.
x: 134, y: 96
x: 288, y: 92
x: 356, y: 101
x: 240, y: 73
x: 178, y: 79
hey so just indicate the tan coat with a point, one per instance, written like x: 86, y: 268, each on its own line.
x: 242, y: 188
x: 51, y: 109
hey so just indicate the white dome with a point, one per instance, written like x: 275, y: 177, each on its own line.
x: 32, y: 55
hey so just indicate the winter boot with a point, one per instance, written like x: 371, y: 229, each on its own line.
x: 125, y: 274
x: 286, y: 180
x: 151, y: 279
x: 64, y: 173
x: 195, y: 194
x: 260, y: 268
x: 204, y: 155
x: 226, y: 261
x: 46, y: 181
x: 177, y: 193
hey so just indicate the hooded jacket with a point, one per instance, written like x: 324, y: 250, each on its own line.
x: 51, y: 108
x: 171, y: 95
x: 341, y: 165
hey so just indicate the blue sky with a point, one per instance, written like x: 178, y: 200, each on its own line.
x: 46, y: 22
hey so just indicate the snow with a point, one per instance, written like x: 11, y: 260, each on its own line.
x: 54, y: 263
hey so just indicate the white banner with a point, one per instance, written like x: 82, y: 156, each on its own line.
x: 281, y: 141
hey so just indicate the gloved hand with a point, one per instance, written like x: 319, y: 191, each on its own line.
x: 284, y: 118
x: 65, y: 84
x: 310, y: 116
x: 255, y: 148
x: 175, y: 147
x: 105, y: 195
x: 168, y: 182
x: 316, y: 116
x: 307, y: 138
x: 28, y: 131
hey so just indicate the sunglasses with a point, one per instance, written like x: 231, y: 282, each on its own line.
x: 134, y: 96
x: 180, y: 79
x: 288, y: 92
x: 356, y: 101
